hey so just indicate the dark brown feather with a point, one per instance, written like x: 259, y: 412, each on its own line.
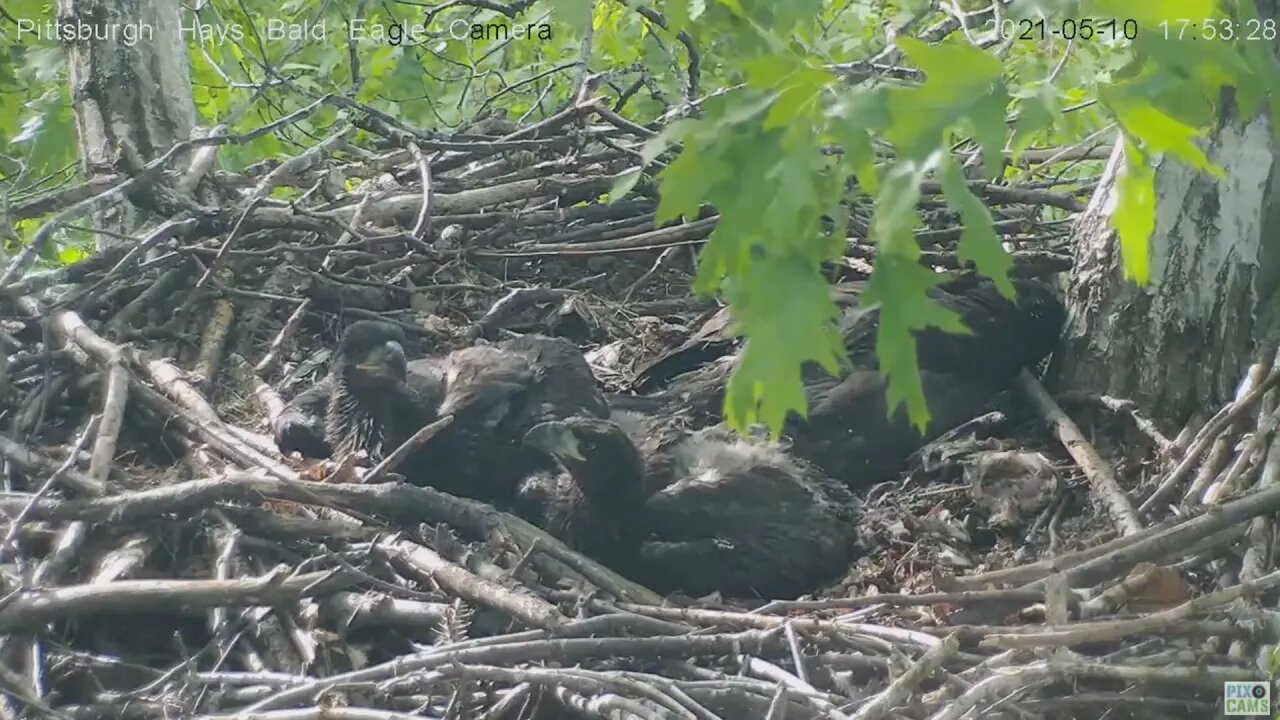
x: 848, y: 432
x: 594, y: 503
x: 711, y: 341
x: 695, y: 512
x: 496, y: 394
x: 372, y: 406
x: 300, y: 426
x: 744, y: 518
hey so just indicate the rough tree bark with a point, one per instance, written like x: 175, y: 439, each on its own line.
x: 131, y: 89
x: 1182, y: 343
x: 131, y: 92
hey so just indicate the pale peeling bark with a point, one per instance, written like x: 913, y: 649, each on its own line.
x: 1182, y: 343
x: 131, y: 91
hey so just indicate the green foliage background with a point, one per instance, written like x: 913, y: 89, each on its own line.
x: 786, y: 87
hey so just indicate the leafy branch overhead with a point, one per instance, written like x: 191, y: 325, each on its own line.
x: 820, y: 134
x: 762, y: 155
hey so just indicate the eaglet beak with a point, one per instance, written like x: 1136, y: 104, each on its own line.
x: 385, y: 360
x: 555, y: 439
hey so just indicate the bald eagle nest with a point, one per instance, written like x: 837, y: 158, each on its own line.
x: 652, y: 485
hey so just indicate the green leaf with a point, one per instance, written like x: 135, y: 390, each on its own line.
x: 987, y: 120
x: 573, y: 15
x: 745, y: 108
x: 978, y: 241
x: 68, y: 254
x: 767, y: 72
x: 894, y: 216
x: 1157, y: 131
x: 47, y: 63
x: 958, y: 76
x: 744, y: 210
x: 801, y: 186
x: 917, y: 121
x: 685, y: 183
x: 623, y: 184
x: 798, y: 99
x: 48, y: 131
x: 1036, y: 112
x: 1262, y: 81
x: 782, y: 304
x: 678, y: 14
x: 795, y: 82
x: 951, y: 69
x: 851, y: 119
x: 1134, y: 216
x: 898, y: 284
x: 860, y: 156
x: 1151, y: 14
x: 669, y: 136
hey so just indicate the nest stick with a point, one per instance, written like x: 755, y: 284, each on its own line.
x: 399, y: 454
x: 1225, y: 417
x: 114, y: 401
x: 422, y: 561
x: 1103, y: 481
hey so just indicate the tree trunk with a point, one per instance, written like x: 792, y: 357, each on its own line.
x: 131, y: 89
x: 1182, y: 343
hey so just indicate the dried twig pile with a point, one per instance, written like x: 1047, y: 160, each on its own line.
x: 160, y: 559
